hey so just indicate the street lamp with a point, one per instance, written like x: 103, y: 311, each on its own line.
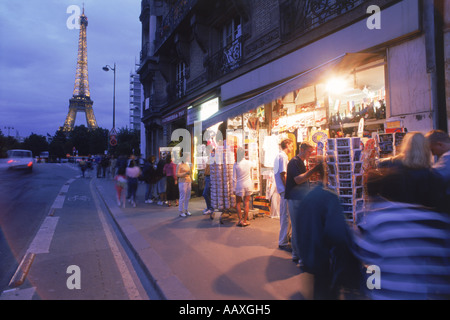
x: 8, y: 127
x: 107, y: 68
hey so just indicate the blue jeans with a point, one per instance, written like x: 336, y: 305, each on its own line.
x: 293, y: 212
x: 207, y: 193
x: 285, y: 222
x: 132, y: 187
x: 149, y: 192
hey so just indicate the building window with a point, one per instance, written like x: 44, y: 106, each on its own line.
x: 231, y: 31
x: 180, y: 79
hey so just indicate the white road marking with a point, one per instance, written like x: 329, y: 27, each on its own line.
x: 130, y: 286
x: 18, y: 294
x: 40, y: 244
x: 42, y: 240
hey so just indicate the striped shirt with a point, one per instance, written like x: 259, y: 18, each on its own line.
x: 411, y: 246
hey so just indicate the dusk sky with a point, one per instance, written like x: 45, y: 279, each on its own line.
x: 38, y: 58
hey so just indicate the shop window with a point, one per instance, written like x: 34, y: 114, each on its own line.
x: 359, y: 95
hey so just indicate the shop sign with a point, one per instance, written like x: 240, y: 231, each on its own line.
x: 203, y: 111
x: 174, y: 116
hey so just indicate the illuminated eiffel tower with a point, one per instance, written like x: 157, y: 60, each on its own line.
x: 81, y: 100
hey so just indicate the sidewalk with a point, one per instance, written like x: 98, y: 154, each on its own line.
x: 199, y: 258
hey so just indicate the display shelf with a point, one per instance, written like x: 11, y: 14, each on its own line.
x: 345, y: 173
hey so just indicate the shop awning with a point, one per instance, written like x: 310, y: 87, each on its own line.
x: 342, y: 64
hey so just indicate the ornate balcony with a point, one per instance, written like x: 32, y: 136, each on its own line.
x: 225, y: 60
x: 178, y: 11
x: 302, y: 16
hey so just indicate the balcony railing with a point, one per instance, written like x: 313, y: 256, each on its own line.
x: 170, y: 22
x: 225, y: 60
x: 302, y: 16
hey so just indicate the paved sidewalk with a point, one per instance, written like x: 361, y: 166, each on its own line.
x: 199, y: 258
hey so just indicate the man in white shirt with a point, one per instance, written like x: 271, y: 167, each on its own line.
x: 279, y: 170
x: 440, y: 147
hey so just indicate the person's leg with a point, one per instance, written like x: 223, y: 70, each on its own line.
x: 292, y: 205
x: 246, y: 208
x: 238, y: 209
x: 182, y: 197
x: 285, y: 222
x: 207, y: 193
x: 147, y: 192
x: 187, y: 197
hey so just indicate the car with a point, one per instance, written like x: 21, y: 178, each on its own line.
x: 20, y: 159
x: 44, y: 157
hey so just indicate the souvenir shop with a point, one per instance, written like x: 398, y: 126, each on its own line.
x: 343, y: 117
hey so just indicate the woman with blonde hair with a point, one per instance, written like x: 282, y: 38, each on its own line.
x: 415, y: 151
x: 409, y: 178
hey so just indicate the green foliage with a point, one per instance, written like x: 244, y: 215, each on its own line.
x: 35, y: 143
x: 87, y: 142
x: 128, y: 142
x: 7, y: 143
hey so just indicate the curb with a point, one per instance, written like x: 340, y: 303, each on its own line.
x: 158, y: 272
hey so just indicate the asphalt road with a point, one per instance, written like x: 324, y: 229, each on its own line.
x: 55, y: 227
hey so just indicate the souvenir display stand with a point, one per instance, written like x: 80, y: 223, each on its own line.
x: 388, y: 143
x: 345, y: 174
x: 221, y: 171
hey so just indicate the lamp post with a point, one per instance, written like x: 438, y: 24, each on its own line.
x: 9, y: 128
x: 107, y: 68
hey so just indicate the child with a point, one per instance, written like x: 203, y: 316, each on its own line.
x: 121, y: 184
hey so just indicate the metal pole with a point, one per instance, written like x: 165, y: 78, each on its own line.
x: 114, y: 98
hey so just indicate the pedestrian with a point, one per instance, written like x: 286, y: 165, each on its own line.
x: 406, y: 245
x: 98, y: 160
x: 184, y: 186
x: 170, y: 171
x: 112, y: 167
x: 440, y: 147
x: 279, y: 170
x: 207, y: 191
x: 161, y: 179
x: 89, y: 166
x: 242, y: 186
x: 105, y: 165
x: 133, y: 172
x: 297, y: 186
x: 83, y: 166
x: 148, y: 173
x: 120, y: 184
x: 325, y: 243
x: 409, y: 177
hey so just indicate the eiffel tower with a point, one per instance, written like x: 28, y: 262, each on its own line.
x: 81, y: 100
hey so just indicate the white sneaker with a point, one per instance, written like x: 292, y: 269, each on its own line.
x: 133, y: 204
x: 188, y: 213
x: 160, y: 203
x: 182, y: 214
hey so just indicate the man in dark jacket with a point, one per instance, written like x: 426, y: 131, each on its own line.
x: 161, y: 179
x: 149, y: 171
x: 324, y: 242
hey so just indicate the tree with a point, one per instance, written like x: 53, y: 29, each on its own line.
x: 127, y: 143
x: 36, y: 143
x: 59, y: 146
x: 79, y: 137
x: 7, y: 143
x: 98, y: 141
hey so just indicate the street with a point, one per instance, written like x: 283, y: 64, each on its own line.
x: 54, y: 225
